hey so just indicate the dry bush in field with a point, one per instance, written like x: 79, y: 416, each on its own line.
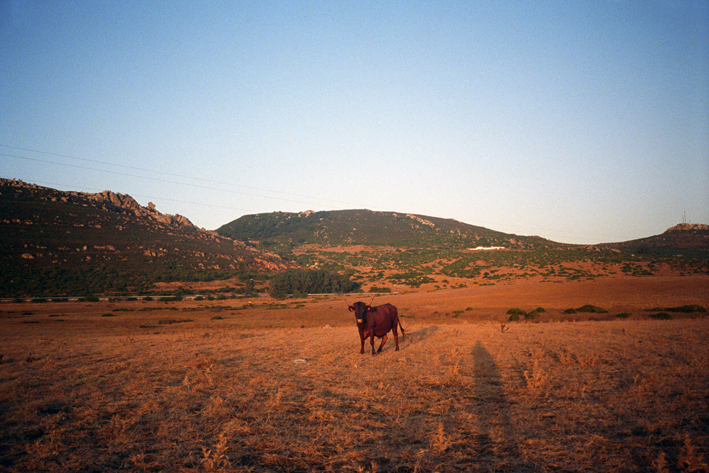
x: 535, y: 377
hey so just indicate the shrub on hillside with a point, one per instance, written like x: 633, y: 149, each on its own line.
x: 376, y: 289
x: 535, y: 313
x: 592, y: 309
x: 683, y: 308
x: 310, y: 281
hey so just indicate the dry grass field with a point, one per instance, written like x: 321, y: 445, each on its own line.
x: 280, y: 385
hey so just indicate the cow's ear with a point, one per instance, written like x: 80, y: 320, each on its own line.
x: 351, y: 309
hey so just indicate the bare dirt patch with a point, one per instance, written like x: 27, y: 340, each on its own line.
x: 227, y: 389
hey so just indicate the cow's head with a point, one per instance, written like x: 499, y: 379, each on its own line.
x: 360, y: 309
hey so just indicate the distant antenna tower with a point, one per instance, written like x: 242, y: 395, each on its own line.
x: 684, y: 217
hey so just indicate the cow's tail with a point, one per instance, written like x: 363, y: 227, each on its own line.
x: 394, y: 314
x: 401, y: 327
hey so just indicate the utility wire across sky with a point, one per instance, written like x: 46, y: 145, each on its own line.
x: 163, y: 173
x: 495, y: 225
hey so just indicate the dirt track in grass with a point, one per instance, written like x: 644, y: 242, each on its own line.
x: 148, y: 386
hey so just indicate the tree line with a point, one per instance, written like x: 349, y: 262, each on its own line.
x: 301, y: 282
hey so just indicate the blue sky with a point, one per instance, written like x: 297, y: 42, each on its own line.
x: 579, y: 121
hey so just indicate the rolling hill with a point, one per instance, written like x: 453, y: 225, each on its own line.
x: 388, y: 250
x: 684, y: 239
x: 365, y: 227
x: 54, y: 242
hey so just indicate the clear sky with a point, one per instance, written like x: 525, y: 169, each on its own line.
x: 579, y: 121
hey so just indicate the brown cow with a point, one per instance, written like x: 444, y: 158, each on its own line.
x: 377, y: 322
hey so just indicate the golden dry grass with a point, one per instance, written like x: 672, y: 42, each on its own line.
x: 84, y: 392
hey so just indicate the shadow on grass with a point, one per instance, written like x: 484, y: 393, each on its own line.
x: 497, y: 440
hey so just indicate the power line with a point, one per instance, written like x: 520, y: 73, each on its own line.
x: 83, y: 188
x: 135, y: 168
x: 199, y: 186
x: 167, y: 181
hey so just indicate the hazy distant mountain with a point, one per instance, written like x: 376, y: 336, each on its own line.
x: 54, y: 242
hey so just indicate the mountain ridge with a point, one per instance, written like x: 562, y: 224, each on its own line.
x: 56, y: 242
x: 59, y: 242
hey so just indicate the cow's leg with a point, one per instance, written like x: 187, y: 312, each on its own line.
x: 361, y: 339
x: 396, y: 338
x: 371, y: 340
x: 384, y: 339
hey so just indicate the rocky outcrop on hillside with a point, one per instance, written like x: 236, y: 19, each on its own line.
x: 688, y: 227
x: 127, y: 202
x: 109, y: 201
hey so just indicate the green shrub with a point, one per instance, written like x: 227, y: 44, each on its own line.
x: 301, y: 282
x: 516, y: 311
x: 682, y: 308
x: 108, y: 315
x: 689, y: 308
x: 174, y: 321
x: 623, y: 315
x: 513, y: 318
x: 379, y: 289
x: 592, y: 309
x: 661, y: 316
x: 570, y: 311
x: 533, y: 314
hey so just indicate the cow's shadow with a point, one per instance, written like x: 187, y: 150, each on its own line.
x: 405, y: 340
x: 420, y: 334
